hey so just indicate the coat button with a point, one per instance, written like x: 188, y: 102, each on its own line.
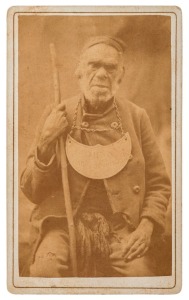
x: 136, y: 189
x: 114, y: 125
x: 85, y: 124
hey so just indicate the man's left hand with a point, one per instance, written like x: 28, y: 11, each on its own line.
x: 138, y: 242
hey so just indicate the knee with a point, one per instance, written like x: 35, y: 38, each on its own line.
x: 140, y: 270
x: 140, y: 267
x: 49, y: 265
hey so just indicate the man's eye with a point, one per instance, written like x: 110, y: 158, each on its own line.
x: 94, y: 65
x: 108, y: 68
x: 111, y: 68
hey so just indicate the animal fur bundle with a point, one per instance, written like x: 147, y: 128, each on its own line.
x: 92, y: 233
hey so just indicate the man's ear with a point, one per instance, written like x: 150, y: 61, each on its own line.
x: 79, y: 69
x: 121, y: 75
x: 78, y: 72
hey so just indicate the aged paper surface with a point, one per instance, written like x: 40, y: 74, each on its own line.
x: 130, y: 58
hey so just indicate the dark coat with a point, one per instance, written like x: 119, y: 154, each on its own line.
x: 141, y: 189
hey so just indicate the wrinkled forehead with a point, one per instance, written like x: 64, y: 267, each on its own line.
x: 101, y: 52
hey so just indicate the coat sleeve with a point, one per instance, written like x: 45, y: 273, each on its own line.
x: 38, y: 179
x: 158, y: 188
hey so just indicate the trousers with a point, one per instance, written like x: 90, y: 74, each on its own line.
x: 52, y: 257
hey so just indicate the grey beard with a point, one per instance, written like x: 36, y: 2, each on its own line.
x: 97, y: 101
x: 97, y: 105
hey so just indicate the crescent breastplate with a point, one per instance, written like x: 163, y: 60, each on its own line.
x: 98, y: 161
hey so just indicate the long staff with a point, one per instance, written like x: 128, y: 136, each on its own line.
x: 64, y: 170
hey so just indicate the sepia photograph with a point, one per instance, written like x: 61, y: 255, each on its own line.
x: 94, y: 111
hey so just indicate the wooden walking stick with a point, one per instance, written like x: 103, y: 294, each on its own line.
x: 64, y: 170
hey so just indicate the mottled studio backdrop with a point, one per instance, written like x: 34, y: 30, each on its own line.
x: 147, y: 80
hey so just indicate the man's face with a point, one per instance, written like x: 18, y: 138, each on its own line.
x: 101, y: 71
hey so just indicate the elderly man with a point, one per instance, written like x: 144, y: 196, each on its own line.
x: 118, y: 182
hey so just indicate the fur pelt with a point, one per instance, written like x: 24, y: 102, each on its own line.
x: 92, y: 233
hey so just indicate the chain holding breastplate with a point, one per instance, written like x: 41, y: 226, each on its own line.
x: 116, y: 127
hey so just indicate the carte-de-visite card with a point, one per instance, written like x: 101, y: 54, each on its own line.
x: 94, y: 150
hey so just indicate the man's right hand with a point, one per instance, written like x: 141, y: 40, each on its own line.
x: 54, y: 126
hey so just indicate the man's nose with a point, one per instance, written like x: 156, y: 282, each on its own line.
x: 101, y: 73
